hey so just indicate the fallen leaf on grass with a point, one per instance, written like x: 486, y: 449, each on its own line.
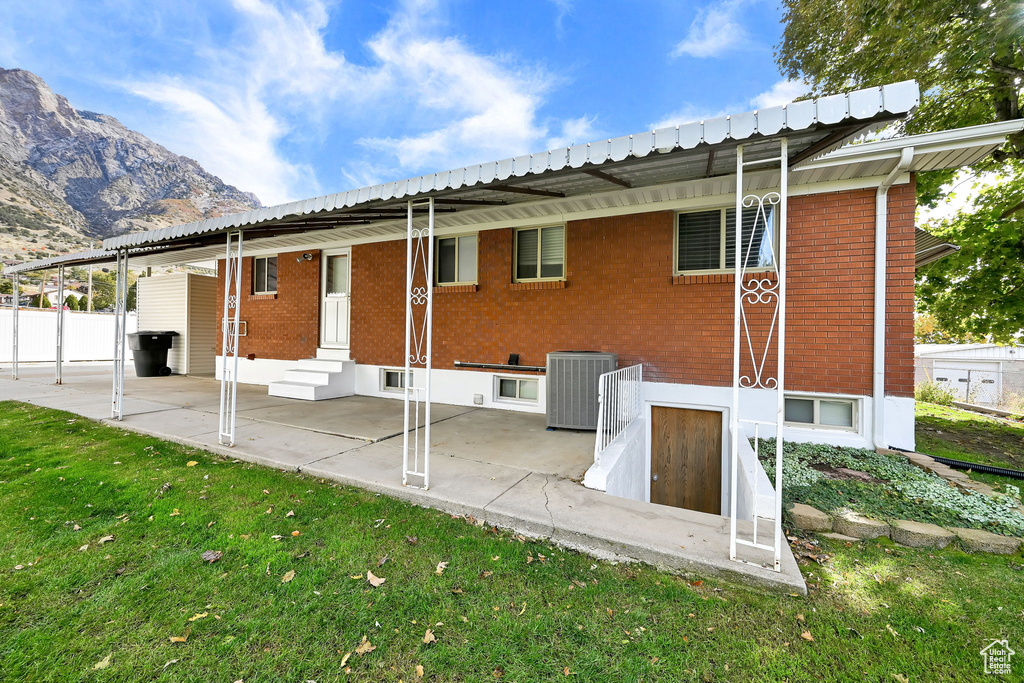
x: 290, y: 513
x: 179, y: 639
x: 800, y: 617
x: 806, y: 635
x: 894, y: 632
x: 296, y: 533
x: 175, y: 513
x: 441, y: 566
x: 419, y: 671
x: 565, y: 671
x: 375, y: 581
x: 288, y: 576
x: 381, y: 561
x: 173, y: 661
x: 102, y: 664
x: 191, y: 463
x: 197, y: 617
x: 429, y: 637
x: 901, y: 678
x: 344, y: 660
x: 105, y: 539
x: 485, y: 574
x: 412, y: 540
x: 365, y: 647
x: 84, y: 548
x: 212, y: 556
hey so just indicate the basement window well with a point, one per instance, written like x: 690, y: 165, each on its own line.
x: 515, y: 389
x: 828, y: 413
x: 392, y: 380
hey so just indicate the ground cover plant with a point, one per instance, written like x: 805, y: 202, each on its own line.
x: 887, y: 487
x: 125, y: 558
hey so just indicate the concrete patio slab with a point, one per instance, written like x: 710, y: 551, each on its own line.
x: 172, y: 424
x: 677, y: 539
x: 519, y: 440
x: 357, y: 417
x: 457, y: 486
x: 278, y: 446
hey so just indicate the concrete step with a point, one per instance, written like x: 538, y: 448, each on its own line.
x: 308, y: 376
x: 316, y: 379
x: 324, y: 364
x: 288, y: 389
x: 333, y: 354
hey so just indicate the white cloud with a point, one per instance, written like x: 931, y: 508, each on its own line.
x: 783, y: 92
x: 574, y: 132
x: 715, y: 29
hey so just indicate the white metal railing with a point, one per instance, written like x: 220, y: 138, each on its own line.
x: 620, y: 401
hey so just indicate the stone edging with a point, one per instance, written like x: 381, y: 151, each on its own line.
x: 853, y: 526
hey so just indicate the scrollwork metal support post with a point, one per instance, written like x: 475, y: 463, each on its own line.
x: 759, y: 309
x: 229, y: 335
x: 419, y: 311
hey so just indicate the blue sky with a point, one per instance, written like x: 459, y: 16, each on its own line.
x: 296, y: 98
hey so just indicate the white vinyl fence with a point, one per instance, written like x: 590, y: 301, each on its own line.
x: 87, y: 336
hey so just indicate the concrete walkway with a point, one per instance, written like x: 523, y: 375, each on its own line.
x: 498, y: 466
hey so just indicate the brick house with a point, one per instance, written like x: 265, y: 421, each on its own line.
x: 626, y: 247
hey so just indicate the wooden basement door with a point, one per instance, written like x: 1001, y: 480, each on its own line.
x: 686, y: 458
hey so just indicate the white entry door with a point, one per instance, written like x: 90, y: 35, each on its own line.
x: 335, y: 301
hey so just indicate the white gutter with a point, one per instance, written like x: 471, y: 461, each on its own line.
x: 881, y: 271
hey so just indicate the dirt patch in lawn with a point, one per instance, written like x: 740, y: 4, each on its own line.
x: 960, y: 434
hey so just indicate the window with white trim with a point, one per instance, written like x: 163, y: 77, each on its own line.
x: 515, y: 389
x: 540, y: 254
x: 264, y: 275
x: 827, y: 413
x: 456, y: 260
x: 705, y: 241
x: 392, y: 379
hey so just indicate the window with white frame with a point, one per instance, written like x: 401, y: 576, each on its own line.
x: 392, y: 379
x: 515, y: 389
x: 540, y: 254
x: 456, y: 260
x: 829, y: 413
x: 706, y: 240
x: 264, y: 275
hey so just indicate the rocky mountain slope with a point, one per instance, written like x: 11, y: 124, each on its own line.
x: 69, y: 177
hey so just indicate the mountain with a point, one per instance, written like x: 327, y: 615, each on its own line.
x: 69, y: 177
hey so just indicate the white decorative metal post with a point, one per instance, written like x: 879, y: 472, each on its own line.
x: 419, y: 310
x: 759, y: 328
x: 14, y: 325
x: 60, y: 324
x: 229, y: 328
x: 120, y: 332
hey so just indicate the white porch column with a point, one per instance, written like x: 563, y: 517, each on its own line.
x: 419, y: 311
x: 757, y: 300
x: 60, y: 324
x: 120, y: 332
x: 16, y: 278
x: 229, y: 334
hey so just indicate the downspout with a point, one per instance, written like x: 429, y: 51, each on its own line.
x: 881, y: 271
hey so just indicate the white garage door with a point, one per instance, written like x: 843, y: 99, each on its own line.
x: 971, y: 382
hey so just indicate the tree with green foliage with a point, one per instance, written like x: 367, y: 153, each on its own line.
x: 34, y: 302
x: 968, y: 57
x: 7, y: 286
x: 71, y: 302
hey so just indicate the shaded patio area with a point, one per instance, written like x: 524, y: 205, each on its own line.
x: 499, y: 466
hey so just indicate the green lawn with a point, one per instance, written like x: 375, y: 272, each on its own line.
x: 953, y: 433
x: 504, y: 608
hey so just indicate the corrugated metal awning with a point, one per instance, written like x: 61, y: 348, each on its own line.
x: 690, y: 151
x: 78, y: 258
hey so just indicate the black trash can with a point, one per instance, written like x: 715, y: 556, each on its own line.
x: 149, y: 349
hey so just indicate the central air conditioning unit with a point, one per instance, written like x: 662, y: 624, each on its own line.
x: 573, y: 380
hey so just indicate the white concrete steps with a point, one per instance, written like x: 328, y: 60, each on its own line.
x: 316, y: 379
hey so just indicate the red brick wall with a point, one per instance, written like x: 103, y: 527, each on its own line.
x: 285, y: 325
x: 620, y: 296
